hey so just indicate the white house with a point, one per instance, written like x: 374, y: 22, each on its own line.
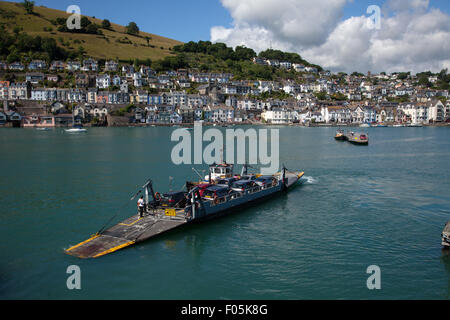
x: 278, y: 116
x: 103, y: 81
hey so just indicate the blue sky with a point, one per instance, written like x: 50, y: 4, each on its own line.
x: 177, y: 19
x: 180, y: 19
x: 416, y: 39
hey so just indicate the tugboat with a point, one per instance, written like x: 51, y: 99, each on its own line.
x: 340, y: 135
x: 358, y: 138
x: 223, y: 194
x: 446, y: 236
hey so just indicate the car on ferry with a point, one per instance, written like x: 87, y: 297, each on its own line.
x: 216, y: 191
x: 248, y: 177
x: 174, y: 199
x: 203, y: 187
x: 226, y: 182
x: 265, y: 181
x: 242, y: 185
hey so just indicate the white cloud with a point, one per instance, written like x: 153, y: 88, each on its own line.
x: 300, y: 22
x: 412, y: 37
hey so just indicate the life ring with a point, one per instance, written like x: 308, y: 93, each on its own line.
x: 157, y: 196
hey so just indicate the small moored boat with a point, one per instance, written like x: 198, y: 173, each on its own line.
x: 76, y: 129
x: 446, y: 236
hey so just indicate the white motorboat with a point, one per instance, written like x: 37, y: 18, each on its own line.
x: 76, y: 130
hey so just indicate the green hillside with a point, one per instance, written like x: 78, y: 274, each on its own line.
x: 112, y: 43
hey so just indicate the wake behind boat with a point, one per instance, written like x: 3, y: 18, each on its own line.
x: 222, y: 194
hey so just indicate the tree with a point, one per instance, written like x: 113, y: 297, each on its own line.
x: 29, y: 6
x: 85, y: 22
x: 132, y: 28
x: 106, y: 24
x: 423, y: 81
x: 148, y: 40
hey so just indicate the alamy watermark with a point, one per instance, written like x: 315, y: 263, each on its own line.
x: 374, y: 281
x: 74, y: 280
x: 258, y: 145
x: 74, y: 21
x: 374, y: 21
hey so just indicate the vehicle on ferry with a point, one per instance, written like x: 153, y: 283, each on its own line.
x: 174, y: 199
x: 264, y: 181
x: 227, y: 181
x: 216, y: 191
x: 243, y: 185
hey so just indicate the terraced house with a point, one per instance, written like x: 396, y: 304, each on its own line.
x: 19, y: 91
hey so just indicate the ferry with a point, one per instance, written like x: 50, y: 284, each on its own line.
x: 221, y: 194
x: 340, y: 135
x: 358, y: 138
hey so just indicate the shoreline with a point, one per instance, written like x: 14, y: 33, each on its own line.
x: 191, y: 125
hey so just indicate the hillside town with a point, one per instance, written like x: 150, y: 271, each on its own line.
x: 107, y: 93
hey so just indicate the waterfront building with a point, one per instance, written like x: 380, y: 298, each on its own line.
x: 4, y: 88
x: 278, y: 115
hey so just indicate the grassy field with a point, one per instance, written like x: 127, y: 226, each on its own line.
x: 105, y: 46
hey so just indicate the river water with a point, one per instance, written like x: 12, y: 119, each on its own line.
x: 384, y: 205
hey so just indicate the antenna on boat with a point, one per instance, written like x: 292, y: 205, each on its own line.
x: 170, y: 183
x: 193, y: 169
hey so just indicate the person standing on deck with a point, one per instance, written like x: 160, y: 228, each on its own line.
x: 141, y: 205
